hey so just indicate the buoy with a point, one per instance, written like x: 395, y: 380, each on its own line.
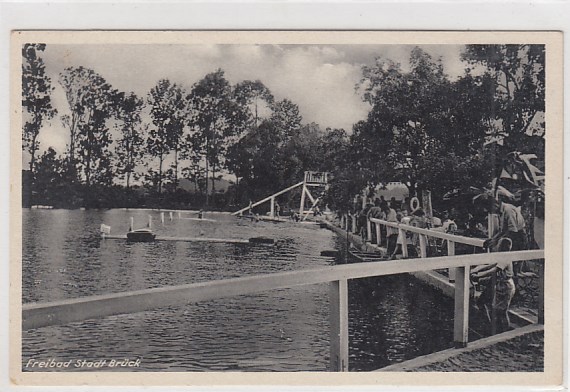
x: 414, y: 204
x: 261, y: 240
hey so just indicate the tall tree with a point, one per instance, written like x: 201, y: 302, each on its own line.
x: 92, y: 103
x: 518, y: 71
x: 36, y: 100
x: 130, y: 145
x: 286, y: 118
x: 166, y: 104
x: 218, y: 118
x: 406, y: 126
x: 253, y: 94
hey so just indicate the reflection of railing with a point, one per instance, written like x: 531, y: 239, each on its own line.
x: 39, y: 315
x: 312, y: 177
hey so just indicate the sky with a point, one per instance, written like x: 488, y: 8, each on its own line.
x: 320, y: 79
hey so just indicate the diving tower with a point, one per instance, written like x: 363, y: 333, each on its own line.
x: 312, y: 179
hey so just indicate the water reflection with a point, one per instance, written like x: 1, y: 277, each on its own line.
x: 391, y: 318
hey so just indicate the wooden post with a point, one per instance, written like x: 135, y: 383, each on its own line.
x: 171, y: 215
x: 302, y: 206
x: 493, y: 307
x: 132, y: 224
x: 354, y: 225
x: 451, y: 252
x: 179, y: 215
x: 541, y: 292
x: 150, y: 222
x: 423, y: 246
x: 272, y: 213
x: 338, y: 298
x: 369, y: 230
x: 162, y: 217
x: 378, y: 234
x: 461, y: 315
x: 404, y: 243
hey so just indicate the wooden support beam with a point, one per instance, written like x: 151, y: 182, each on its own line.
x: 302, y: 205
x: 354, y: 224
x: 369, y: 230
x: 461, y: 314
x: 451, y: 252
x: 272, y: 213
x: 402, y: 234
x: 423, y: 246
x: 541, y: 292
x: 378, y: 234
x: 338, y: 298
x: 268, y: 198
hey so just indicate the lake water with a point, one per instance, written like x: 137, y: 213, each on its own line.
x: 391, y: 319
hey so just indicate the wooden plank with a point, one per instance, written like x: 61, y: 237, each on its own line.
x: 541, y: 293
x: 433, y: 233
x: 423, y: 246
x: 461, y: 314
x: 451, y: 252
x: 268, y: 198
x: 186, y: 239
x: 338, y: 314
x: 402, y: 234
x: 36, y: 315
x: 302, y: 205
x: 199, y: 219
x: 354, y: 225
x: 378, y: 234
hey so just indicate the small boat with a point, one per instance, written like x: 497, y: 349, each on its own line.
x: 141, y: 235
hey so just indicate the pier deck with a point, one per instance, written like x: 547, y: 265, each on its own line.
x: 520, y: 350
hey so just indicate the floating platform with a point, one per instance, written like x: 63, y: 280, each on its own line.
x: 199, y: 219
x: 141, y: 235
x: 254, y: 240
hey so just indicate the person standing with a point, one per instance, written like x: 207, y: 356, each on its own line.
x: 496, y: 295
x: 391, y: 232
x: 512, y: 226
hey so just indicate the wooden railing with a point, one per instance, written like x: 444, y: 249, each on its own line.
x: 312, y: 177
x: 37, y: 315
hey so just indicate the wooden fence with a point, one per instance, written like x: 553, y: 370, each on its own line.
x: 37, y: 315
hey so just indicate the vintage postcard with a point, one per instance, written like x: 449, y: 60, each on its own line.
x: 242, y: 207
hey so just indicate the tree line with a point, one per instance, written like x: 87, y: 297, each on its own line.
x: 423, y: 129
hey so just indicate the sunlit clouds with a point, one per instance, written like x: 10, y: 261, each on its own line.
x: 320, y: 79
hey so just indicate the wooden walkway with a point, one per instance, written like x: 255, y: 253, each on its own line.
x: 461, y: 359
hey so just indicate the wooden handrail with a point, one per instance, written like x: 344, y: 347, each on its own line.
x: 432, y: 233
x: 36, y: 315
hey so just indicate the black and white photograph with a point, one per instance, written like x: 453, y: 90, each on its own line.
x: 297, y: 202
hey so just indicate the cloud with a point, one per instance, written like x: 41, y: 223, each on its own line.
x: 319, y: 78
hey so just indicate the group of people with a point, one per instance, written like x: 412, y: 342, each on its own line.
x: 495, y: 280
x: 392, y: 211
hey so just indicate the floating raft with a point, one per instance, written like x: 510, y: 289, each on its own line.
x: 254, y: 240
x: 199, y: 219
